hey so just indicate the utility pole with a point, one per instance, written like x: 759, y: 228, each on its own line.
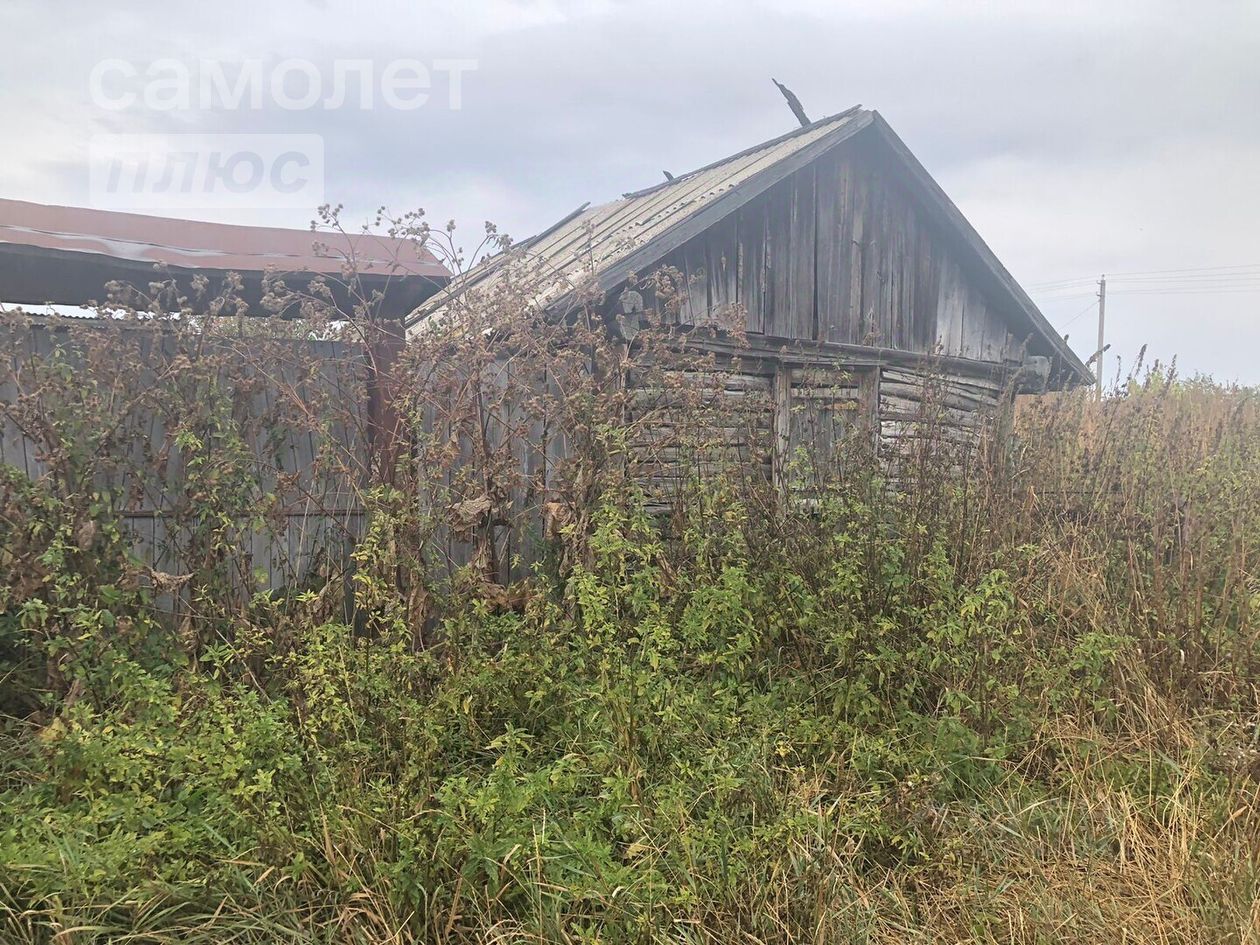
x: 1098, y: 355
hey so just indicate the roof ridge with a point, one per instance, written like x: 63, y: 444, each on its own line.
x: 752, y: 149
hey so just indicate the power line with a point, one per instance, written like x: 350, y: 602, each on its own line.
x: 1156, y: 272
x: 1226, y: 290
x: 1244, y: 272
x: 1061, y: 283
x: 1065, y: 298
x: 1086, y: 309
x: 1158, y: 284
x: 1194, y: 277
x: 1189, y: 283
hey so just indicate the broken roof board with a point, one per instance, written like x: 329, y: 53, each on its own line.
x: 589, y: 242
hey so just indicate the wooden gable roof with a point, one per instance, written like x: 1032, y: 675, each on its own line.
x: 605, y: 244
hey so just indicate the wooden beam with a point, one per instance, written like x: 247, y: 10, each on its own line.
x: 806, y: 353
x: 782, y: 425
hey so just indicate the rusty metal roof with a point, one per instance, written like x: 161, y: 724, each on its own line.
x: 188, y: 244
x: 602, y: 240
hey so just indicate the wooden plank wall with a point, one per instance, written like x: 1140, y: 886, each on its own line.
x: 826, y: 405
x: 744, y: 416
x: 792, y: 422
x: 841, y: 251
x: 321, y: 517
x: 502, y: 415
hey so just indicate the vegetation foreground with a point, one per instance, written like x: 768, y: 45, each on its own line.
x: 1019, y: 706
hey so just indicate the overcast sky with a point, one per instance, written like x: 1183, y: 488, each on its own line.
x: 1078, y: 137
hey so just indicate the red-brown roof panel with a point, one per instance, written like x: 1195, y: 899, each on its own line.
x: 189, y: 244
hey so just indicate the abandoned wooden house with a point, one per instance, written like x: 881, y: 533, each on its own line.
x: 829, y: 278
x: 852, y: 273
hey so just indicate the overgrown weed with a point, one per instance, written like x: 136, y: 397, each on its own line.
x: 1011, y: 704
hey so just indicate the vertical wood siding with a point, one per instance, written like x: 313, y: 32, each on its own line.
x: 840, y: 251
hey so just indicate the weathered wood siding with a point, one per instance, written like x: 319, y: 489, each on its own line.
x: 526, y: 453
x: 319, y: 516
x: 841, y: 251
x: 949, y: 414
x: 696, y: 423
x: 771, y: 415
x: 826, y: 405
x: 797, y: 424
